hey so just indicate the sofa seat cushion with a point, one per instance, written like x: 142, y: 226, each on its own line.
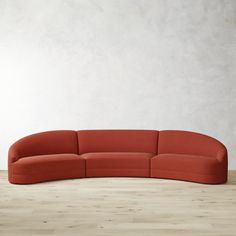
x: 195, y: 168
x: 118, y: 164
x: 48, y: 167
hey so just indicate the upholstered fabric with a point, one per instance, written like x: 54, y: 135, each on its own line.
x: 118, y: 141
x: 173, y: 154
x: 50, y: 142
x: 118, y: 164
x: 185, y: 142
x: 47, y: 167
x: 188, y: 167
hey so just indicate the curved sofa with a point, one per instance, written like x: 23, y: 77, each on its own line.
x: 66, y: 154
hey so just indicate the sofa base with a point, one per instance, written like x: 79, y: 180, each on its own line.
x: 38, y: 178
x: 187, y: 176
x: 117, y: 173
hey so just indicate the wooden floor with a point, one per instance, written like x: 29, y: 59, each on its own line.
x: 117, y: 206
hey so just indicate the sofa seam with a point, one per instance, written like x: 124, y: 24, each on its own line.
x: 119, y: 169
x: 77, y: 141
x: 158, y: 139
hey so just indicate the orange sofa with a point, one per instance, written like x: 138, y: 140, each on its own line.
x: 66, y: 154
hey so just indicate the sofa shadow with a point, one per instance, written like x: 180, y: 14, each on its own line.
x: 231, y: 180
x: 231, y: 177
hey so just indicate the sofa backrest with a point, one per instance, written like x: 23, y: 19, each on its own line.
x: 50, y: 142
x: 186, y: 142
x: 117, y: 141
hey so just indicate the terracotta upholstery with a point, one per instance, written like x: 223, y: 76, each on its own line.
x: 118, y: 164
x: 196, y: 168
x: 66, y: 154
x: 48, y: 167
x: 190, y: 156
x: 50, y: 142
x: 117, y: 141
x: 185, y: 142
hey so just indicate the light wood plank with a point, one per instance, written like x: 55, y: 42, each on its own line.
x: 118, y: 206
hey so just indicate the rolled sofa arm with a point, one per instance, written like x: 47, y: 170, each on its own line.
x: 222, y: 155
x: 13, y: 154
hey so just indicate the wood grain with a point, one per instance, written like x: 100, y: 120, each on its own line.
x: 118, y: 206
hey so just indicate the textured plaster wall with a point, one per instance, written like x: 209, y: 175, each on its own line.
x: 138, y: 64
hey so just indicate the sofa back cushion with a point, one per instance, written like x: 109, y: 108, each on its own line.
x: 186, y: 142
x: 50, y: 142
x: 117, y: 141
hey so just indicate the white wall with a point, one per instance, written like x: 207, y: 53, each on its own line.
x: 144, y: 64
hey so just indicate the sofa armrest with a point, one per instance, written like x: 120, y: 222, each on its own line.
x: 222, y: 155
x: 13, y: 154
